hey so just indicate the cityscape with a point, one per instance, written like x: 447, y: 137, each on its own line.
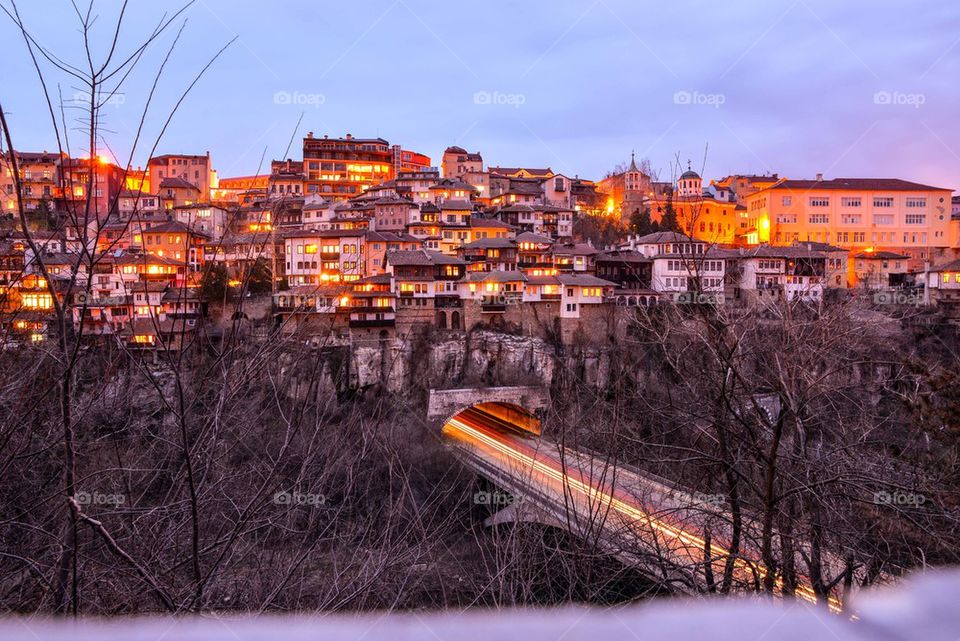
x: 399, y: 378
x: 363, y: 238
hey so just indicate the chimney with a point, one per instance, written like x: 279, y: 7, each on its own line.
x: 309, y: 134
x: 819, y: 178
x: 349, y: 137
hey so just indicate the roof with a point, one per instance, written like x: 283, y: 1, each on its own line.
x: 390, y: 237
x: 512, y: 171
x: 455, y: 205
x: 584, y: 280
x: 881, y: 255
x: 622, y: 256
x: 490, y: 243
x: 175, y: 226
x: 311, y: 290
x: 658, y: 237
x: 480, y: 221
x: 822, y: 247
x: 689, y: 174
x: 452, y: 183
x: 420, y: 257
x: 952, y: 266
x: 542, y: 280
x: 495, y: 276
x: 177, y: 183
x: 582, y: 249
x: 789, y: 251
x: 377, y: 279
x: 530, y: 237
x: 866, y: 184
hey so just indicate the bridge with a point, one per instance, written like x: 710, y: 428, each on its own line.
x: 677, y: 536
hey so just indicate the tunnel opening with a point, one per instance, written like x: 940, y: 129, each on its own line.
x: 508, y: 417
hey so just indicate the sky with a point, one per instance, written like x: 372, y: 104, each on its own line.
x: 845, y: 88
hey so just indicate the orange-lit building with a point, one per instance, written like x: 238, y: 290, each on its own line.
x: 194, y: 169
x: 108, y: 182
x: 241, y: 189
x: 858, y: 214
x: 405, y: 160
x: 341, y: 168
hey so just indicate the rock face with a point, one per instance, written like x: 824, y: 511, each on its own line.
x: 484, y: 358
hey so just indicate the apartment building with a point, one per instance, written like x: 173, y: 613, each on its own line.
x: 857, y: 214
x: 341, y: 168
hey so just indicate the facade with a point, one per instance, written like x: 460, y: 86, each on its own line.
x: 857, y: 214
x: 193, y: 169
x: 341, y: 168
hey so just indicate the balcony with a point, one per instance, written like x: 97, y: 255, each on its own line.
x: 550, y: 297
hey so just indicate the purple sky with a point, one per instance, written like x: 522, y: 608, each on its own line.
x: 847, y: 88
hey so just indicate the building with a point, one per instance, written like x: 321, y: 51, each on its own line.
x: 406, y: 161
x: 107, y: 183
x: 193, y: 169
x: 286, y: 179
x: 341, y: 168
x: 458, y: 162
x: 880, y: 269
x: 324, y: 256
x: 857, y: 214
x: 742, y: 185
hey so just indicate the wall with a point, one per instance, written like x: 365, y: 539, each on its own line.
x: 922, y: 608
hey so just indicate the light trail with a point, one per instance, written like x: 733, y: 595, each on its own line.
x: 746, y: 569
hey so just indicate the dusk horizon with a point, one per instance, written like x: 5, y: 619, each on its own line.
x: 842, y: 91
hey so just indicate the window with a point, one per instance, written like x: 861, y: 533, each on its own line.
x: 786, y: 201
x: 850, y: 219
x: 819, y: 201
x: 916, y: 202
x: 883, y: 201
x: 916, y: 219
x: 819, y: 219
x: 883, y: 219
x: 850, y: 201
x: 310, y: 248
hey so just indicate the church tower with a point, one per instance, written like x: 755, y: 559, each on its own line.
x: 690, y: 184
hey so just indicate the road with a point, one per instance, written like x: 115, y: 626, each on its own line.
x: 640, y: 519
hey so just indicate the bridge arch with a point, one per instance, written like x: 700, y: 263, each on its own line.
x: 507, y: 416
x: 515, y: 406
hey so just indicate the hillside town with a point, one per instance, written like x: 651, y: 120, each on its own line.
x: 362, y: 238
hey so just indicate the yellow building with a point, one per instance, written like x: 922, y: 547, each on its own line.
x: 857, y: 214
